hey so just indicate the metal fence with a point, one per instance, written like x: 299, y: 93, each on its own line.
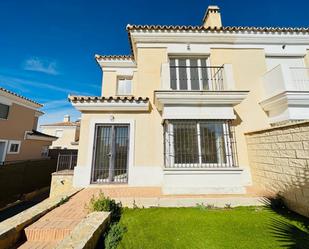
x: 199, y: 144
x: 66, y: 162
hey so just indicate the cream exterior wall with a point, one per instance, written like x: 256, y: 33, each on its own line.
x: 148, y: 134
x: 248, y: 66
x: 149, y: 139
x: 307, y: 59
x: 68, y: 136
x: 109, y: 83
x: 20, y: 120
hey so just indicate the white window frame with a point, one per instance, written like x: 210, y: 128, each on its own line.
x: 227, y: 145
x: 126, y: 78
x: 14, y: 142
x: 57, y: 130
x: 187, y: 60
x: 5, y: 149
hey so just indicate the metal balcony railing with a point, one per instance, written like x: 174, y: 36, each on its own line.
x: 203, y: 78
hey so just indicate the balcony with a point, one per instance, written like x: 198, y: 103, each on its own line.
x: 286, y: 93
x: 197, y: 91
x: 197, y: 77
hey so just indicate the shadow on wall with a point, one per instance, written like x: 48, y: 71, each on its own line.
x: 292, y: 235
x: 294, y: 191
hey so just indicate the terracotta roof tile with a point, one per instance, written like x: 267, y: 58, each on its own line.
x: 227, y: 28
x: 132, y: 27
x: 63, y: 124
x: 19, y: 96
x: 113, y: 57
x: 75, y: 99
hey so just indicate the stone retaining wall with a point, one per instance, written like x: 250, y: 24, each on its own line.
x: 61, y: 182
x: 279, y: 160
x: 11, y: 230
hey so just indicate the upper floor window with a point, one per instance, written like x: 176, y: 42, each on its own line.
x: 58, y: 133
x: 14, y: 147
x: 195, y: 74
x: 4, y: 111
x: 124, y: 86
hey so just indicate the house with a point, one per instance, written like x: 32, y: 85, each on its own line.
x: 174, y: 113
x: 19, y: 138
x: 67, y: 133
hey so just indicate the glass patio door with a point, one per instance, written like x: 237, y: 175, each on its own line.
x: 111, y: 145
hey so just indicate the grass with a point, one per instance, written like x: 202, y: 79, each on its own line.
x: 243, y: 227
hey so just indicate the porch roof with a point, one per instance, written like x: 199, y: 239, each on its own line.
x: 81, y: 99
x: 111, y: 103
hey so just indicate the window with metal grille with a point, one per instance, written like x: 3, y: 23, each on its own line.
x: 199, y: 143
x: 4, y: 111
x: 195, y: 74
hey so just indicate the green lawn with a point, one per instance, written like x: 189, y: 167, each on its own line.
x: 244, y: 227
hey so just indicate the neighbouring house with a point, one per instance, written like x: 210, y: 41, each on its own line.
x: 19, y: 138
x: 174, y: 113
x: 67, y: 133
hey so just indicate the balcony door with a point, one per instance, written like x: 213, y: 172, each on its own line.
x: 194, y: 74
x: 111, y: 147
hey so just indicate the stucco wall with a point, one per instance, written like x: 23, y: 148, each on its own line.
x: 307, y: 59
x: 279, y: 159
x: 248, y: 67
x: 68, y: 136
x: 21, y: 119
x: 148, y: 141
x: 30, y: 149
x: 109, y: 83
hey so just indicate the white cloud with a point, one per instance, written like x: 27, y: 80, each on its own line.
x: 41, y: 65
x: 25, y: 83
x: 55, y: 104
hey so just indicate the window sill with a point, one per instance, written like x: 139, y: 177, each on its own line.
x: 233, y: 170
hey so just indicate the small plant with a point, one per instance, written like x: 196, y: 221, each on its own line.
x: 114, y: 236
x: 210, y: 206
x: 277, y: 203
x: 228, y: 206
x: 63, y: 200
x: 135, y: 205
x: 102, y: 203
x: 201, y: 206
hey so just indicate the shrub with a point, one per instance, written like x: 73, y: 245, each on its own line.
x: 276, y: 203
x: 114, y: 236
x: 63, y: 200
x: 102, y: 203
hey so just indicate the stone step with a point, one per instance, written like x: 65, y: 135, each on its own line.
x: 38, y: 245
x: 52, y: 230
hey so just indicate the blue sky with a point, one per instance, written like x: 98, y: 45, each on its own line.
x: 47, y: 47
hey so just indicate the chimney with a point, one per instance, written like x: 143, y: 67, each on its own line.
x: 212, y: 17
x: 66, y: 118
